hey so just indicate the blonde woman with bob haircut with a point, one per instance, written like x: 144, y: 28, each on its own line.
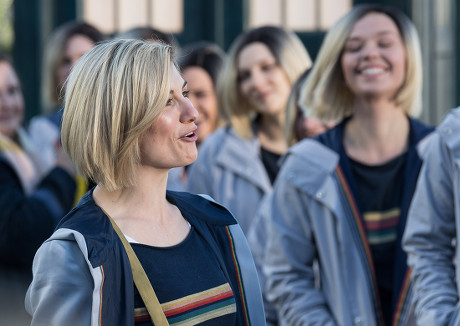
x: 127, y: 122
x: 342, y: 198
x: 237, y: 164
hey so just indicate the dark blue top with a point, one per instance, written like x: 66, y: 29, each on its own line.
x: 105, y: 251
x: 27, y: 221
x: 186, y: 277
x: 333, y: 139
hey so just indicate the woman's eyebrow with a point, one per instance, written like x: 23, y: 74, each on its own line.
x: 183, y: 86
x: 358, y: 38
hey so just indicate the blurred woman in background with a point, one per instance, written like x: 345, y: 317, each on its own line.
x: 238, y: 164
x: 65, y: 46
x: 342, y: 199
x: 31, y: 203
x: 299, y: 125
x: 201, y: 64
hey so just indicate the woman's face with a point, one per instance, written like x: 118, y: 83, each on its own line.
x: 262, y: 81
x: 76, y: 46
x: 203, y: 97
x: 374, y: 57
x: 171, y: 140
x: 11, y: 101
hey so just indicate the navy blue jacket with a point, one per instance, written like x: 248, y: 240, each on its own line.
x: 91, y: 282
x: 27, y: 221
x: 334, y: 140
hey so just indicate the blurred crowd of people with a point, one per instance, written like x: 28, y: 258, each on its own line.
x: 347, y: 201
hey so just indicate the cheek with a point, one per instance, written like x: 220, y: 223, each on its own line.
x: 195, y: 101
x: 346, y: 66
x: 20, y: 104
x: 63, y: 73
x: 287, y: 89
x: 402, y: 64
x: 244, y: 88
x: 210, y: 106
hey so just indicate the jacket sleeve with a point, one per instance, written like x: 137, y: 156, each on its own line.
x: 62, y: 287
x: 288, y: 261
x: 429, y: 235
x: 27, y: 221
x: 257, y: 239
x: 249, y: 277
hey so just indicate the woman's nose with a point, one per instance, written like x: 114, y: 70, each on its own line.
x: 189, y: 113
x: 370, y: 50
x: 257, y: 79
x: 5, y: 100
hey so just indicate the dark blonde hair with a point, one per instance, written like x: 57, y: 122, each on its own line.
x: 289, y: 53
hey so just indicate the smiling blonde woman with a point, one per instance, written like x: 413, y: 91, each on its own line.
x: 341, y: 199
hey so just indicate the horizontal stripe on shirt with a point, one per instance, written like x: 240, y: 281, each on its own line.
x: 196, y: 308
x: 382, y: 226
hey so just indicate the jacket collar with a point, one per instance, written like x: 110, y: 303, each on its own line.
x: 333, y: 138
x: 198, y: 208
x: 329, y: 152
x: 448, y: 130
x: 89, y: 219
x: 242, y: 156
x: 309, y: 172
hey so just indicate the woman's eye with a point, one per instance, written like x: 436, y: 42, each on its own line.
x: 169, y: 102
x: 385, y: 44
x: 269, y: 67
x: 66, y: 62
x: 242, y: 76
x: 13, y: 90
x: 185, y: 93
x: 200, y: 94
x: 353, y: 48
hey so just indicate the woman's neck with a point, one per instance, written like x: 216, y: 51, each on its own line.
x: 271, y: 133
x: 141, y: 200
x: 376, y: 133
x: 143, y: 212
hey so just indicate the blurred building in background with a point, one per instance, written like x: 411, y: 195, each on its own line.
x: 26, y: 24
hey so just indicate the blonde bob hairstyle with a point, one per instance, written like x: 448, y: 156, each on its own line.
x: 114, y: 93
x: 289, y: 53
x: 325, y: 93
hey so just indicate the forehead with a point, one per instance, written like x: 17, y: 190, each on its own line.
x: 79, y: 42
x: 373, y: 23
x: 7, y: 74
x: 254, y: 53
x: 196, y: 77
x: 177, y: 82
